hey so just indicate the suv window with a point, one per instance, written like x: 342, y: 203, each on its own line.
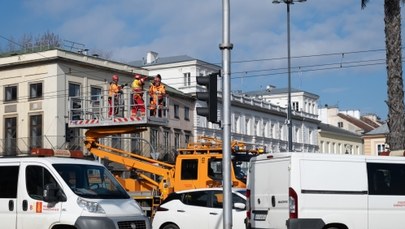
x: 386, y: 179
x: 8, y: 181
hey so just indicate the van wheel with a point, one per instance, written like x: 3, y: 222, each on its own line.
x: 336, y: 226
x: 170, y: 226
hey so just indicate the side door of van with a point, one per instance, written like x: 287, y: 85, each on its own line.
x: 8, y: 194
x: 269, y: 181
x: 386, y: 195
x: 32, y: 210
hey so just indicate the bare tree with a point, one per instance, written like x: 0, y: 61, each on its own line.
x: 48, y: 40
x: 26, y: 42
x: 12, y: 45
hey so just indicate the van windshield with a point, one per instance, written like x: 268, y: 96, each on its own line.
x: 91, y: 181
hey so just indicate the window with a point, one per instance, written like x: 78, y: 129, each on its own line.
x: 154, y: 138
x: 74, y: 89
x: 295, y: 106
x: 8, y: 181
x: 95, y: 93
x: 176, y: 111
x: 272, y: 131
x: 36, y: 177
x: 116, y: 141
x: 215, y: 169
x: 187, y: 78
x: 10, y: 93
x: 136, y: 142
x: 247, y: 126
x: 218, y: 197
x: 258, y: 128
x: 91, y: 181
x: 297, y: 134
x: 386, y: 179
x: 186, y: 113
x: 35, y: 90
x: 187, y: 137
x: 380, y: 148
x: 10, y: 128
x: 35, y: 131
x: 340, y: 124
x: 199, y: 198
x: 189, y: 169
x: 166, y: 140
x: 238, y: 125
x: 176, y: 140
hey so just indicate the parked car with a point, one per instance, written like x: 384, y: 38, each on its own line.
x: 199, y: 208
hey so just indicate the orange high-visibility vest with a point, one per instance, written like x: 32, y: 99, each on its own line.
x: 114, y: 89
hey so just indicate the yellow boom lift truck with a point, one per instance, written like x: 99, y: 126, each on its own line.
x: 198, y: 165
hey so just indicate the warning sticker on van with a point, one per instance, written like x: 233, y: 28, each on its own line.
x: 38, y: 207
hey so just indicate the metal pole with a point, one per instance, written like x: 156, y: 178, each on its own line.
x: 226, y: 47
x: 289, y: 123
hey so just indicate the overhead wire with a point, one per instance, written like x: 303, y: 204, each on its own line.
x: 246, y: 73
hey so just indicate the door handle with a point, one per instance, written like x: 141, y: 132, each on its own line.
x: 181, y: 211
x: 11, y: 205
x: 213, y: 213
x: 25, y: 205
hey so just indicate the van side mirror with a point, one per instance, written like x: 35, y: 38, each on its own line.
x: 53, y: 194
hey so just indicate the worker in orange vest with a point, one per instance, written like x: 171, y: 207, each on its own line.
x: 157, y: 91
x: 113, y: 95
x: 137, y: 90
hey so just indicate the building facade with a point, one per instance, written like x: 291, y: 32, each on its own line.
x: 375, y: 141
x: 37, y: 88
x: 259, y: 121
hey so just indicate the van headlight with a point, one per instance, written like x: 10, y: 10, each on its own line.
x: 90, y: 206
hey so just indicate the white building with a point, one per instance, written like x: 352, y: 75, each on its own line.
x: 256, y: 120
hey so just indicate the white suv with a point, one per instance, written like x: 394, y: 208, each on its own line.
x: 199, y: 208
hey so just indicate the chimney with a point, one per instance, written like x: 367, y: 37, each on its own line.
x: 151, y: 57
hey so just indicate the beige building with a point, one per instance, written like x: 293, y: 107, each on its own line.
x: 36, y: 89
x: 334, y: 140
x: 375, y: 140
x: 347, y: 120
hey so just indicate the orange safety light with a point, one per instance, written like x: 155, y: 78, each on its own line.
x: 43, y: 152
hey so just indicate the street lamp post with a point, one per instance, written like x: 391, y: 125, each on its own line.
x: 289, y: 114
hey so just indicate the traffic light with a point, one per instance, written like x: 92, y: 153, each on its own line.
x: 210, y: 96
x: 69, y: 133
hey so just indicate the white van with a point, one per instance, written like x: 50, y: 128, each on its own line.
x: 64, y: 193
x: 324, y: 191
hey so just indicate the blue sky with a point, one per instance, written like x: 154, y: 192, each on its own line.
x: 338, y: 49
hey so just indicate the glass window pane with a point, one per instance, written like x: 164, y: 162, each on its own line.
x: 8, y: 181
